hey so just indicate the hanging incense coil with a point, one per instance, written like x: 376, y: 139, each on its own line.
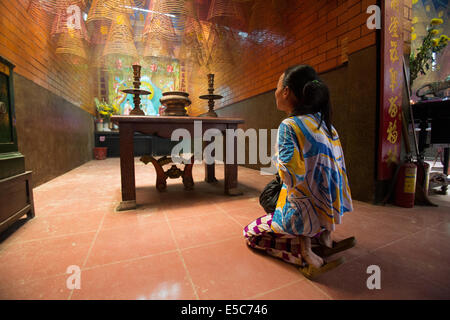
x: 156, y: 46
x: 41, y: 12
x: 123, y: 6
x: 177, y: 10
x: 65, y: 22
x: 194, y: 46
x: 163, y: 25
x: 220, y: 50
x: 69, y: 44
x: 167, y: 18
x: 120, y: 38
x: 98, y: 31
x: 99, y: 11
x: 266, y: 23
x: 226, y: 13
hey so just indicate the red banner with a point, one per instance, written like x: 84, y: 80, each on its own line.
x: 391, y: 88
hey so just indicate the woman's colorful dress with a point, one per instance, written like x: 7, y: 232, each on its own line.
x: 315, y: 192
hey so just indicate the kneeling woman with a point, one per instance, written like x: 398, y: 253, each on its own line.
x: 315, y: 192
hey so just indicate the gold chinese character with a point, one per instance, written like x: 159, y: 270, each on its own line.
x: 392, y: 132
x: 393, y: 107
x: 392, y: 155
x: 395, y: 5
x: 394, y: 82
x: 393, y: 27
x: 394, y: 52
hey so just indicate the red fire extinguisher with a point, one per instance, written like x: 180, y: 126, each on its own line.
x: 405, y: 187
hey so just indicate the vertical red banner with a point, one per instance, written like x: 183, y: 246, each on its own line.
x: 391, y: 88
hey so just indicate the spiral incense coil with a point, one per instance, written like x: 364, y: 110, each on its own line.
x: 41, y: 12
x: 177, y: 10
x: 98, y: 31
x: 120, y: 38
x: 220, y: 51
x: 194, y: 45
x: 71, y: 45
x: 99, y: 11
x: 123, y: 6
x: 226, y: 13
x: 156, y: 46
x: 266, y: 19
x: 63, y: 23
x: 163, y: 25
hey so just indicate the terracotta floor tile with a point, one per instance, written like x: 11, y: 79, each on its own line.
x: 200, y: 230
x: 191, y: 211
x: 59, y: 225
x: 32, y: 260
x: 230, y: 270
x: 443, y: 227
x: 54, y: 288
x: 349, y: 281
x: 246, y: 215
x: 161, y: 277
x: 130, y: 241
x: 370, y: 233
x: 300, y: 290
x: 134, y: 255
x: 240, y: 203
x: 426, y: 253
x: 140, y: 216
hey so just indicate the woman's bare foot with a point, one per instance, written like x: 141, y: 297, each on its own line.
x: 325, y: 239
x: 310, y: 257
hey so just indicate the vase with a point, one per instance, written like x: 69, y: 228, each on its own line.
x: 100, y: 153
x: 99, y: 125
x: 106, y: 125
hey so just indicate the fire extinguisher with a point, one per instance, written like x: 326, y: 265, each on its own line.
x: 405, y: 187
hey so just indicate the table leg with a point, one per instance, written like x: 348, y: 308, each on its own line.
x: 423, y: 138
x: 210, y: 169
x: 231, y: 166
x: 446, y: 167
x: 126, y: 134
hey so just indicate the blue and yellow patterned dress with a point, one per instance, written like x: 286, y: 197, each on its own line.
x: 315, y: 192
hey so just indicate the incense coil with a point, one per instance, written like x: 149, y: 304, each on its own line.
x: 99, y: 11
x: 40, y: 13
x: 266, y: 19
x: 69, y: 44
x: 62, y: 24
x: 220, y: 50
x: 120, y: 38
x: 226, y: 13
x: 156, y: 46
x: 123, y: 6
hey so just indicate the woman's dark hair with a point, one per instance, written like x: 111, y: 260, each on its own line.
x: 312, y: 94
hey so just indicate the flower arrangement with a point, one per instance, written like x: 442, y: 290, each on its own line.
x: 106, y: 110
x: 420, y: 62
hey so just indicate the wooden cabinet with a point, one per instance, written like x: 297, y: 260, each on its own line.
x: 142, y: 144
x: 16, y: 193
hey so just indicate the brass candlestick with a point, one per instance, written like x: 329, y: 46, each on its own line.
x: 211, y: 97
x: 137, y: 91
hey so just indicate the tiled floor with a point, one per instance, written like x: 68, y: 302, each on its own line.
x: 189, y: 245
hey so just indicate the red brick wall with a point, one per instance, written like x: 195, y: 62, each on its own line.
x: 26, y: 42
x: 321, y: 33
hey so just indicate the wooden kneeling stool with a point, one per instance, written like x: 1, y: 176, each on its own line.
x: 173, y: 173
